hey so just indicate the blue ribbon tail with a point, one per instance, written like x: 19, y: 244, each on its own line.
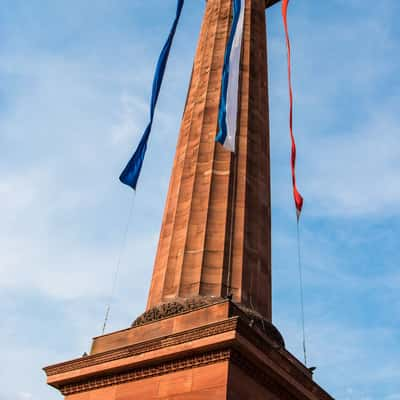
x: 221, y: 135
x: 131, y: 172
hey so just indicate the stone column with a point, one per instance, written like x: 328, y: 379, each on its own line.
x: 191, y: 344
x: 215, y: 237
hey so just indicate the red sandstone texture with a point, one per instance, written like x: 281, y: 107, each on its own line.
x: 215, y: 235
x: 222, y: 355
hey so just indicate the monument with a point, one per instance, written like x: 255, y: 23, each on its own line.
x: 207, y: 332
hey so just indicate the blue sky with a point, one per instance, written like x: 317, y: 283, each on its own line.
x: 75, y: 80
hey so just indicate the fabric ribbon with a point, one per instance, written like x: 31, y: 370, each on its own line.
x: 228, y: 108
x: 297, y: 196
x: 130, y: 174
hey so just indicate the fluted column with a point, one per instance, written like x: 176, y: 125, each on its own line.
x: 216, y: 232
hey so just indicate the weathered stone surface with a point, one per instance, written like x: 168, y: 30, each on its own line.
x: 177, y: 306
x: 215, y: 236
x: 226, y: 357
x: 181, y: 306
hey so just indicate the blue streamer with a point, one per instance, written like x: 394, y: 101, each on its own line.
x: 130, y: 174
x: 221, y: 135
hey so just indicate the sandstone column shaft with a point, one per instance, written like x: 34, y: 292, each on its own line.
x: 216, y: 232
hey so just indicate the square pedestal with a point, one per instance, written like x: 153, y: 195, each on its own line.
x: 216, y: 352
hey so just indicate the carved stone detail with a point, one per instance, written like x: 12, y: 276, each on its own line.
x: 143, y: 347
x: 184, y: 305
x: 230, y: 352
x: 175, y: 307
x: 146, y: 372
x: 258, y: 322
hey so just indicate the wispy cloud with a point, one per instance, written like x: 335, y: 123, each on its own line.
x: 74, y: 87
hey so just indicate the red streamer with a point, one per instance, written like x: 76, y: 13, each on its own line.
x: 297, y: 196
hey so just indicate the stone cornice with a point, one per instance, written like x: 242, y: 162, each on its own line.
x: 142, y: 347
x: 261, y: 375
x: 237, y: 352
x: 273, y: 349
x: 234, y: 323
x: 162, y: 368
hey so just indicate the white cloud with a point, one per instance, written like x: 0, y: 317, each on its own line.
x: 355, y: 173
x: 132, y: 114
x: 346, y: 120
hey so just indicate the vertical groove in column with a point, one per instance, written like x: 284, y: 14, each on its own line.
x: 215, y: 233
x: 250, y: 235
x: 263, y: 287
x: 185, y: 197
x: 168, y: 225
x: 195, y: 239
x: 237, y: 263
x: 268, y: 228
x: 256, y: 266
x: 200, y: 204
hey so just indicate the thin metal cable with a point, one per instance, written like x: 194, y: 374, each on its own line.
x: 301, y: 293
x: 232, y: 222
x: 118, y: 265
x: 235, y: 162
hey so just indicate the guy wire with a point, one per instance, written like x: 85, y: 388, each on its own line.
x: 301, y: 292
x: 118, y: 265
x: 232, y: 222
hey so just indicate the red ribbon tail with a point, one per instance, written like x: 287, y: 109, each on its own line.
x: 298, y: 199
